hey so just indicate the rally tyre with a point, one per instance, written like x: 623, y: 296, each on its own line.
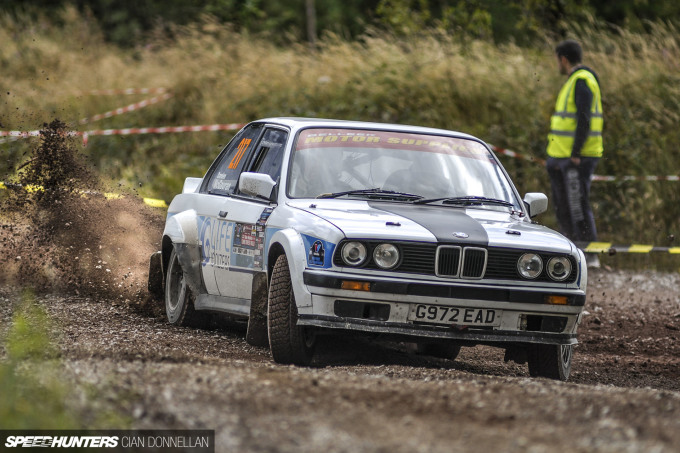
x: 289, y: 343
x: 550, y: 361
x: 179, y: 301
x: 440, y: 350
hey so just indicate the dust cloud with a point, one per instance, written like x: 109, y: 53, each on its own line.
x: 61, y: 231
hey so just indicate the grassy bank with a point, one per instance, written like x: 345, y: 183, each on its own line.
x: 503, y: 94
x: 34, y: 392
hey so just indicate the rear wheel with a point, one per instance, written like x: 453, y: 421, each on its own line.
x: 551, y: 361
x: 289, y: 343
x: 179, y: 301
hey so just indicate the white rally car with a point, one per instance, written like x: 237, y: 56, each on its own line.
x: 310, y: 227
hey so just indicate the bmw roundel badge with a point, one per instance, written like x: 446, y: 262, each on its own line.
x: 460, y: 234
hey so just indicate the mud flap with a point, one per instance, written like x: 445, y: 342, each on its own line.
x: 155, y: 284
x: 257, y: 334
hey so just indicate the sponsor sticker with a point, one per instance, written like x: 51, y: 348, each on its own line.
x: 215, y: 238
x: 319, y: 252
x: 316, y: 254
x: 240, y: 152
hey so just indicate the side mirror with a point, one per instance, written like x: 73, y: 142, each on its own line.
x: 536, y: 203
x: 256, y: 185
x: 191, y: 185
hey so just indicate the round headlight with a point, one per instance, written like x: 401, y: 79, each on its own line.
x: 386, y: 256
x: 559, y: 268
x: 530, y: 265
x: 353, y: 253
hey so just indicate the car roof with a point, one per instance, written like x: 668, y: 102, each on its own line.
x: 296, y: 123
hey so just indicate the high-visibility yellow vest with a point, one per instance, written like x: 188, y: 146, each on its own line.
x: 563, y: 121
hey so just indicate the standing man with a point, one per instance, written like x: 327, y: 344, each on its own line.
x: 575, y: 146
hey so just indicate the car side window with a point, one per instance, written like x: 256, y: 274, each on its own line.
x: 269, y: 155
x: 225, y: 176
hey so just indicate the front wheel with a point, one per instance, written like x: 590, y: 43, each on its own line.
x: 179, y: 301
x: 289, y: 343
x: 551, y: 361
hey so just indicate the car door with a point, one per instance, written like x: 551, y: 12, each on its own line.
x: 214, y: 229
x: 241, y: 218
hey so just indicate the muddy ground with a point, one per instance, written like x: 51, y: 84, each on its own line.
x: 86, y: 256
x: 623, y: 395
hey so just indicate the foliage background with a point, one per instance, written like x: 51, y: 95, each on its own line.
x: 483, y: 67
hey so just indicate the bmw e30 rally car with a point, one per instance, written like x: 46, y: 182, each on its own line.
x: 309, y: 227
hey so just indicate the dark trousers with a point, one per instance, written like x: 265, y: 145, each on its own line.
x: 570, y: 196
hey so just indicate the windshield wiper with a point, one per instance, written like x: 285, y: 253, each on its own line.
x: 470, y: 200
x: 373, y: 192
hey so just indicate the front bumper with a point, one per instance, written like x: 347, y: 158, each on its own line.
x: 383, y: 307
x: 468, y: 335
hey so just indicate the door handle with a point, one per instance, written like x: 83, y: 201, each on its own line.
x: 222, y: 214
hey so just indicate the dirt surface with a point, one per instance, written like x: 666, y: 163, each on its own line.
x: 89, y: 266
x: 624, y: 393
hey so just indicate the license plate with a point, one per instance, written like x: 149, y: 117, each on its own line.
x: 439, y: 314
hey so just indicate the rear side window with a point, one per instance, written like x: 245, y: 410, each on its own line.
x: 225, y: 176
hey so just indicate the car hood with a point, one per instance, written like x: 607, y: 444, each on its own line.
x: 439, y: 224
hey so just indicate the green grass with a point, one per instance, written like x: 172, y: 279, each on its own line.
x: 34, y: 393
x: 502, y: 93
x: 32, y: 397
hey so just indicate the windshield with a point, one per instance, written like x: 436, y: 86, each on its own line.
x: 334, y: 161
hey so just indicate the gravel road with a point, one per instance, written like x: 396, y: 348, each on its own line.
x: 623, y: 396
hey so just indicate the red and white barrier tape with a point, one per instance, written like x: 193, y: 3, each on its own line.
x: 636, y: 178
x: 516, y: 155
x: 130, y: 131
x: 161, y: 130
x: 510, y: 153
x: 19, y: 134
x: 14, y: 135
x: 123, y: 91
x: 127, y: 108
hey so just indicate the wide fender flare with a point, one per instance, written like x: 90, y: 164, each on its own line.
x: 294, y: 248
x: 182, y: 230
